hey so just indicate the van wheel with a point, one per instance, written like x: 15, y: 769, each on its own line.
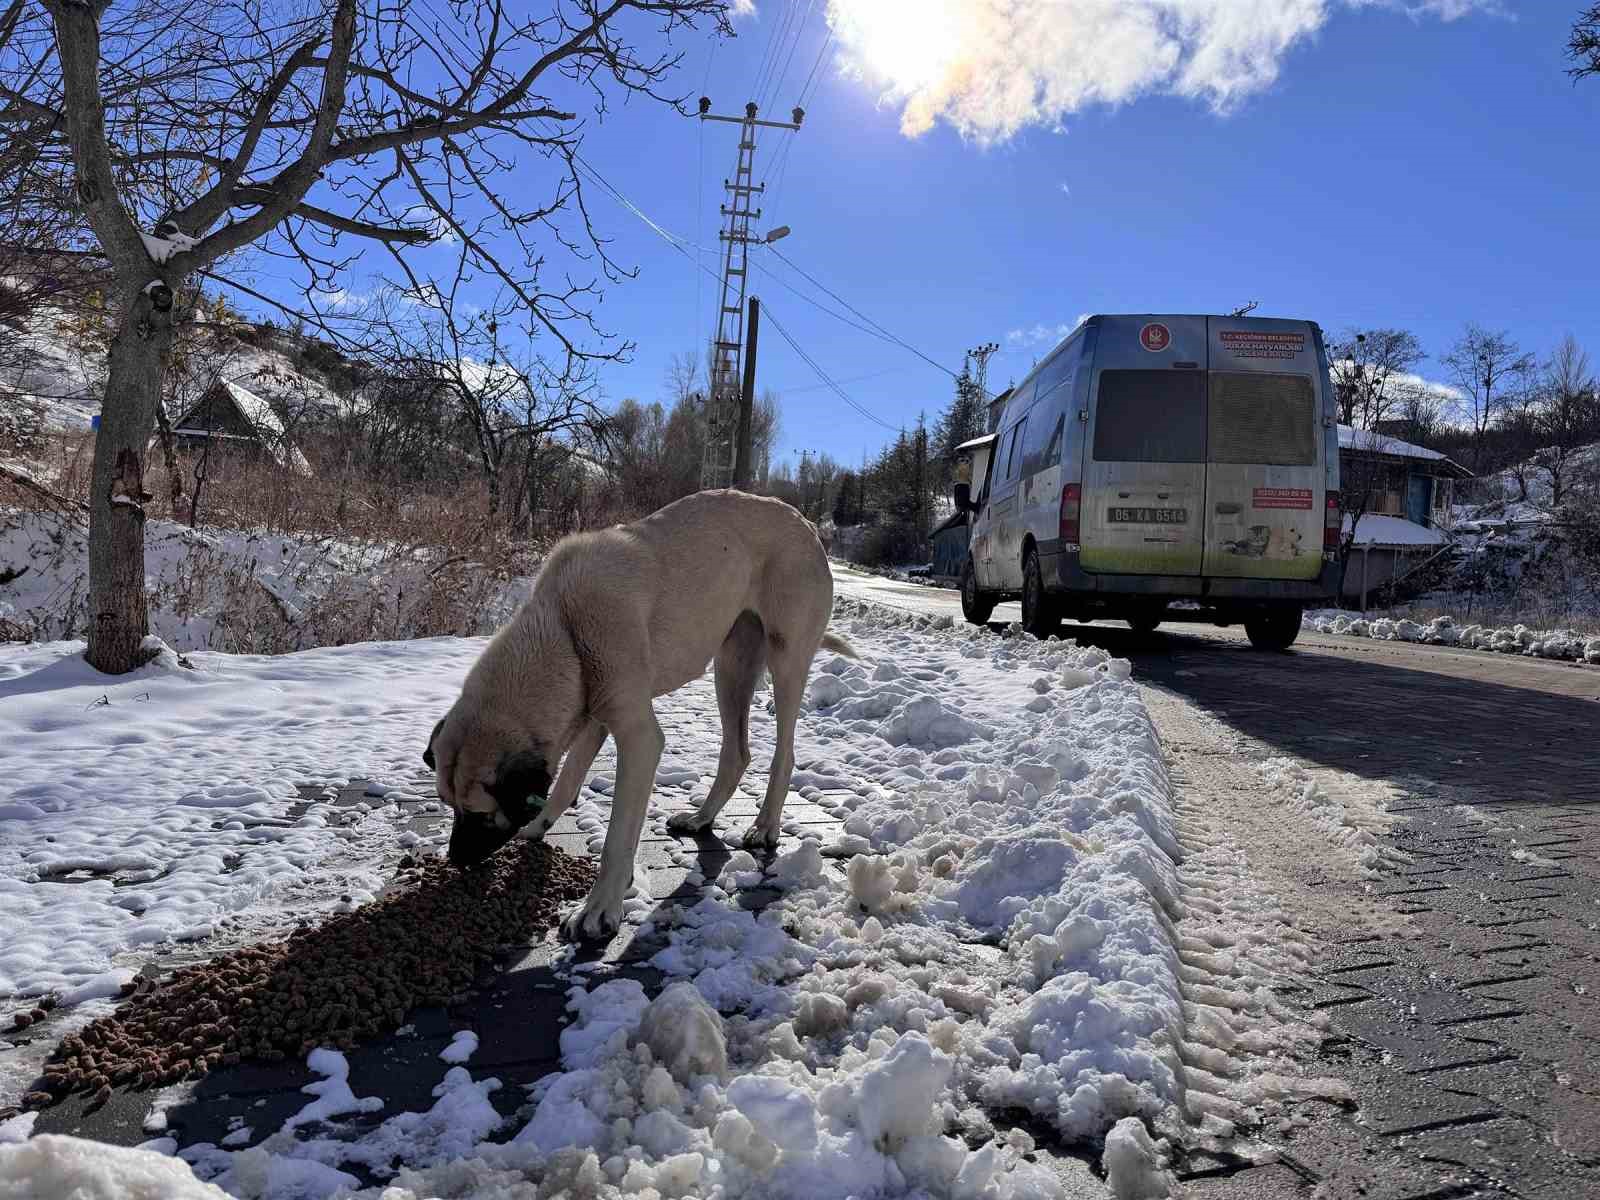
x: 976, y: 607
x: 1040, y: 614
x: 1146, y: 620
x: 1275, y: 629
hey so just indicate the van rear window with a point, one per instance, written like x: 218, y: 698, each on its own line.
x: 1263, y: 419
x: 1151, y: 416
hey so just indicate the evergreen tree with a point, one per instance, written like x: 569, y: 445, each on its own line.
x: 966, y: 418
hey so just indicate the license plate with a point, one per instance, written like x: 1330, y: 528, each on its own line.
x: 1148, y: 516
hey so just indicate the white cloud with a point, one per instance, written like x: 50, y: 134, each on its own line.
x: 1023, y: 339
x: 991, y: 68
x: 1066, y: 190
x: 741, y: 8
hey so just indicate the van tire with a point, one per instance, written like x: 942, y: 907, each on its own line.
x: 1274, y: 629
x: 977, y: 607
x: 1041, y: 615
x: 1146, y: 620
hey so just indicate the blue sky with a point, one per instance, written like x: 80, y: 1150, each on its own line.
x: 1345, y: 161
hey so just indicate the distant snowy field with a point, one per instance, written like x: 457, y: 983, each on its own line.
x: 996, y: 930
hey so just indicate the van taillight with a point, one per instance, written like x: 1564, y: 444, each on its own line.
x: 1334, y: 525
x: 1071, y: 498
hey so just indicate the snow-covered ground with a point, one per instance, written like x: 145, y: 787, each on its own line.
x: 1563, y: 644
x: 240, y: 590
x: 999, y: 929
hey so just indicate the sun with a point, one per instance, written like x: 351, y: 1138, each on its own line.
x: 907, y: 44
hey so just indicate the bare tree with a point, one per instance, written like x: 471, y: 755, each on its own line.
x: 1584, y: 48
x: 194, y: 131
x: 766, y: 426
x: 1369, y: 369
x: 1566, y: 417
x: 1366, y: 366
x: 1490, y: 369
x: 1418, y: 412
x: 506, y: 397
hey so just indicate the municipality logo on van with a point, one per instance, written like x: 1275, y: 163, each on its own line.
x: 1155, y: 337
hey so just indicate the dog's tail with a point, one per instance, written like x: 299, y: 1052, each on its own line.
x: 837, y: 644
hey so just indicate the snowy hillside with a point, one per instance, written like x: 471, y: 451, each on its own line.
x: 63, y: 367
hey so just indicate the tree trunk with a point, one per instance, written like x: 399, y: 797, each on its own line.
x: 120, y: 613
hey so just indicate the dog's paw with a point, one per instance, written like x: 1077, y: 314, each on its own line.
x: 592, y: 921
x: 688, y: 822
x: 761, y: 836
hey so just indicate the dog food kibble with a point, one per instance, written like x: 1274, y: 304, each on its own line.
x: 353, y: 977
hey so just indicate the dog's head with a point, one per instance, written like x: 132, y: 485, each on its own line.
x: 494, y: 778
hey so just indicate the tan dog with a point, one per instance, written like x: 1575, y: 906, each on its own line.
x: 617, y: 618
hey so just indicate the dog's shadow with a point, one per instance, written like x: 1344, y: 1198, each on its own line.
x: 640, y: 940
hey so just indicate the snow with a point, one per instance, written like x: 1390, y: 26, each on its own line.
x: 1005, y: 935
x: 1375, y: 529
x: 461, y: 1048
x: 1133, y: 1163
x: 1565, y: 645
x: 233, y: 590
x: 1351, y: 438
x: 65, y: 367
x: 333, y: 1095
x: 54, y: 1167
x: 149, y: 807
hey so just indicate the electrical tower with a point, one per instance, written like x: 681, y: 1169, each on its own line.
x: 983, y: 354
x: 722, y: 406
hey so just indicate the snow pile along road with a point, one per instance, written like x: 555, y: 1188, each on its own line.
x: 1562, y: 644
x: 994, y: 937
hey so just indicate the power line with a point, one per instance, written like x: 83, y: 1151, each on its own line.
x: 794, y: 45
x: 881, y: 331
x: 824, y: 377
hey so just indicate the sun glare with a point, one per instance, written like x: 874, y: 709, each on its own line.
x: 908, y: 44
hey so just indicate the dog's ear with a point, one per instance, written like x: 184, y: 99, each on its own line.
x: 427, y: 754
x: 520, y: 777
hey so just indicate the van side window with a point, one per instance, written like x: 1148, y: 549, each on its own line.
x: 1013, y: 459
x: 1043, y: 447
x: 1057, y: 371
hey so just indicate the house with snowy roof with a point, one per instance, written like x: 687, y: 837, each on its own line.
x: 1405, y: 519
x: 231, y: 418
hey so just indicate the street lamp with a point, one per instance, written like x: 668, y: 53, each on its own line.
x: 777, y: 235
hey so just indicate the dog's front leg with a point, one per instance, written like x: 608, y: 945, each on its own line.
x: 578, y: 761
x: 639, y: 746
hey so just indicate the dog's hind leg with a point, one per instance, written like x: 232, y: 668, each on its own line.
x: 639, y: 746
x: 789, y: 671
x: 739, y: 664
x: 573, y: 769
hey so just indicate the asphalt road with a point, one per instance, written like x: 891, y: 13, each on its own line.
x: 1464, y: 1007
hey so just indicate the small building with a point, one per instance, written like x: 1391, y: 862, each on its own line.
x: 1405, y: 520
x: 1403, y: 479
x: 230, y: 418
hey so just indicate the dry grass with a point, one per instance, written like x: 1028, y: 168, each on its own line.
x: 280, y: 561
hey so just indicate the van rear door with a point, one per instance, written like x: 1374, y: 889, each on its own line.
x: 1266, y: 480
x: 1144, y: 463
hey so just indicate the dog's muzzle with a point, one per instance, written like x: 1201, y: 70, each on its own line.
x: 476, y: 835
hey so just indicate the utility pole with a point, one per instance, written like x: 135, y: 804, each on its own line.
x: 723, y: 407
x: 747, y: 398
x: 805, y: 487
x: 982, y: 354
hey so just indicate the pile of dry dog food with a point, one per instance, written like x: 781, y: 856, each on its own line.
x: 353, y: 977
